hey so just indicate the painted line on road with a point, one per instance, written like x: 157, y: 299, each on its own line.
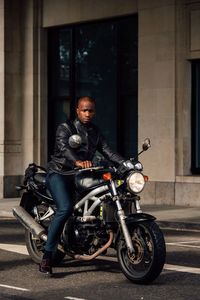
x: 185, y: 244
x: 73, y: 298
x: 182, y: 269
x: 167, y: 267
x: 22, y: 250
x: 16, y: 249
x: 14, y: 287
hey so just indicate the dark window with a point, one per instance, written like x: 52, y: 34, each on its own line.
x: 196, y: 117
x: 99, y: 60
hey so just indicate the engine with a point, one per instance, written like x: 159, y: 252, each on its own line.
x: 84, y: 237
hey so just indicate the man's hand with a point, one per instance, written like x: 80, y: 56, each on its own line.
x: 83, y: 164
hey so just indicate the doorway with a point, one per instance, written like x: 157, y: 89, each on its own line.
x: 97, y: 59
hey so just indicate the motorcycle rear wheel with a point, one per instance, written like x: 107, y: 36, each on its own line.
x: 146, y: 264
x: 35, y: 247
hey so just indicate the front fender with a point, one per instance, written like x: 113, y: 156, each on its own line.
x: 139, y: 217
x: 134, y: 219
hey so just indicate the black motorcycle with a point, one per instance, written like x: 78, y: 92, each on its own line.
x: 107, y: 214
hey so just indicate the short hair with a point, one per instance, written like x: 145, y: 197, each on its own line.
x: 88, y: 98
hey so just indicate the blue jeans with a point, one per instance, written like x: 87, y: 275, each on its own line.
x: 59, y: 187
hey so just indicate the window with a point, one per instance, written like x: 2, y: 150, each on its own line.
x: 196, y: 117
x: 99, y: 60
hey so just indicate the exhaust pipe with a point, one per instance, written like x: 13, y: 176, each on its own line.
x: 98, y: 252
x: 29, y: 223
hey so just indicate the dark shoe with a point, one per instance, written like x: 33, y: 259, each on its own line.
x: 45, y: 266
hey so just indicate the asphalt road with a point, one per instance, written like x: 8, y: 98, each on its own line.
x: 100, y: 279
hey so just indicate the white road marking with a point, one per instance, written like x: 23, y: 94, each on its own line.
x: 22, y: 250
x: 73, y: 298
x: 186, y: 244
x: 16, y: 249
x: 14, y: 287
x: 167, y: 267
x: 182, y: 269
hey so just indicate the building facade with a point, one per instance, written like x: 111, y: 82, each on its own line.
x: 140, y: 59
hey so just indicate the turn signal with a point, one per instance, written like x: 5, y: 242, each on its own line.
x: 107, y: 176
x: 146, y: 178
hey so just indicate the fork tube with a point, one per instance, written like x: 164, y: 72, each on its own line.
x: 122, y: 218
x: 137, y: 206
x: 125, y: 230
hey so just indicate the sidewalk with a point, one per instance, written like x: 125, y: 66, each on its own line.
x: 175, y: 217
x: 6, y: 206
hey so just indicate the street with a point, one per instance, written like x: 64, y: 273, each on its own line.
x: 99, y: 279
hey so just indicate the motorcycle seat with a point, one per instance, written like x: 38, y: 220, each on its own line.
x: 40, y: 178
x: 40, y: 181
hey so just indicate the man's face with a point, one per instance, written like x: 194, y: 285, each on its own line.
x: 85, y: 111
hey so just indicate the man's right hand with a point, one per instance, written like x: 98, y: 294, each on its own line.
x: 83, y: 164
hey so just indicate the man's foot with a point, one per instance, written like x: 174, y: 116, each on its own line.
x: 45, y: 266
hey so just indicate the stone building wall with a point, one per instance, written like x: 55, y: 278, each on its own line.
x: 168, y: 39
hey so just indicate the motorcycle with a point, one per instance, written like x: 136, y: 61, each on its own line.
x: 107, y: 214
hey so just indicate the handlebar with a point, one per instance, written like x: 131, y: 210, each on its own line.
x: 80, y: 170
x: 74, y: 171
x: 89, y: 169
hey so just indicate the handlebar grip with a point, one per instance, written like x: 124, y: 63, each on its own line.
x: 91, y: 168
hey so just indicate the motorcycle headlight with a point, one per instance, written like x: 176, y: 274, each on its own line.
x: 135, y: 182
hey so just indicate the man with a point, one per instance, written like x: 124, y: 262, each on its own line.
x: 66, y: 158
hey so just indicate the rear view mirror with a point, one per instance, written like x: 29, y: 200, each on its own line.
x: 75, y: 141
x: 146, y: 145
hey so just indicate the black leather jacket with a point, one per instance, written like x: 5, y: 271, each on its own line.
x: 92, y: 141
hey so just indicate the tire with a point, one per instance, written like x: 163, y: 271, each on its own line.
x: 150, y: 252
x: 35, y: 249
x: 35, y: 246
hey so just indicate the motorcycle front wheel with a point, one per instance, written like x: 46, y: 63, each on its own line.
x: 147, y: 261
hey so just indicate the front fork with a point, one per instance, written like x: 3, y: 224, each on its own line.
x: 122, y: 218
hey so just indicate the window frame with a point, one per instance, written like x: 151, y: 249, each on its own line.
x: 195, y: 117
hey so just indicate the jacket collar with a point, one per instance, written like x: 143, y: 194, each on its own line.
x: 80, y: 125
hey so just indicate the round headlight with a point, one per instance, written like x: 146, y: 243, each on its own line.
x: 135, y: 182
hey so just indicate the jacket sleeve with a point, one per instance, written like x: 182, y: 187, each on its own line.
x: 107, y: 152
x: 62, y: 145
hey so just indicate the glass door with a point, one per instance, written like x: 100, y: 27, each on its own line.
x: 99, y: 60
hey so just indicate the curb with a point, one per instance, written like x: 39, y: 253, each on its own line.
x: 179, y: 226
x: 164, y: 225
x: 5, y: 214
